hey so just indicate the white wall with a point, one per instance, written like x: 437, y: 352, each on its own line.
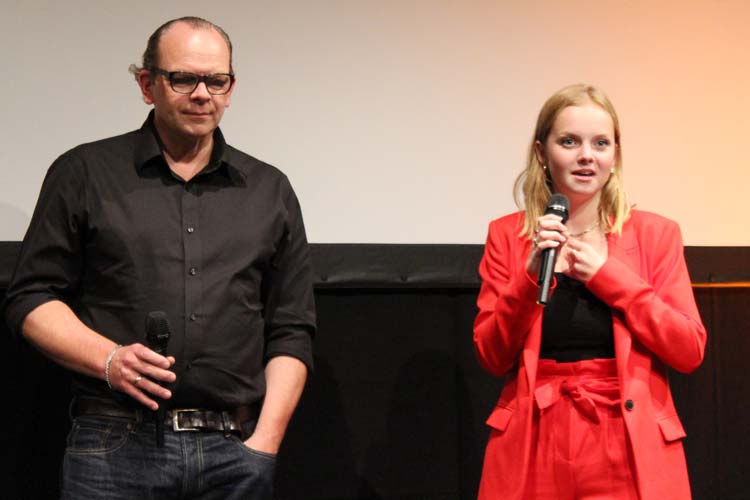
x: 438, y: 98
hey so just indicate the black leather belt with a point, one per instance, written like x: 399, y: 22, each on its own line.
x: 177, y: 419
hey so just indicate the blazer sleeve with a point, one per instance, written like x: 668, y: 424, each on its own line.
x: 507, y: 299
x: 658, y: 306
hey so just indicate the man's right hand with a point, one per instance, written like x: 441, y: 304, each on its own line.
x: 56, y: 331
x: 135, y: 370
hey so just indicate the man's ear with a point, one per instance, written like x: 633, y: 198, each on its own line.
x: 146, y: 84
x: 228, y: 96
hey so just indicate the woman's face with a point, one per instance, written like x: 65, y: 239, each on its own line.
x: 580, y: 152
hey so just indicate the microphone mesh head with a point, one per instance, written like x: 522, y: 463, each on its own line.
x: 558, y: 204
x: 157, y: 324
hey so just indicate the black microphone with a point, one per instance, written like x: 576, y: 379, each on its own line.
x: 558, y: 205
x: 157, y: 337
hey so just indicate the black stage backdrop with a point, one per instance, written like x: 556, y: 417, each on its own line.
x: 396, y: 406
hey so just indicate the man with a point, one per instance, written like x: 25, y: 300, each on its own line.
x: 170, y: 218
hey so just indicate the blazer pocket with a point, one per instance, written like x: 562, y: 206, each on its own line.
x: 499, y: 418
x: 671, y: 428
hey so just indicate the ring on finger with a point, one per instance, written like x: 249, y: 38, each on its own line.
x: 137, y: 380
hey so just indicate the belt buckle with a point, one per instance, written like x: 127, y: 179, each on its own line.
x: 176, y: 422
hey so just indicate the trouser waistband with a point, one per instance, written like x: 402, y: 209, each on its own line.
x: 176, y: 419
x: 589, y: 383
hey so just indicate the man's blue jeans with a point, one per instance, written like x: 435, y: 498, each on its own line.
x: 118, y: 459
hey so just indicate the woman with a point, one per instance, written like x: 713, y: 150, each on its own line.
x: 586, y: 411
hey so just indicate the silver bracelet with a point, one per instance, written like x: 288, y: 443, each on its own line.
x: 108, y: 362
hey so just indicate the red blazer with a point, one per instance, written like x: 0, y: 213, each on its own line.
x: 656, y: 324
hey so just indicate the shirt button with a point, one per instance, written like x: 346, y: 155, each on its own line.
x: 190, y: 229
x: 629, y: 404
x: 193, y: 271
x: 193, y: 317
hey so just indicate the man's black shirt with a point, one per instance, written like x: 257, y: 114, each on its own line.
x: 116, y: 234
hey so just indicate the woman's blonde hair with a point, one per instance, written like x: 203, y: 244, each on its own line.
x: 534, y: 182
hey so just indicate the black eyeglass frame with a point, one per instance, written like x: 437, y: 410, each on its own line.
x: 169, y: 75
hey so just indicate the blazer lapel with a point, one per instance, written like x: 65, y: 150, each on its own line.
x: 531, y: 349
x: 622, y: 247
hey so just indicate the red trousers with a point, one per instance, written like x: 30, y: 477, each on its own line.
x: 579, y: 440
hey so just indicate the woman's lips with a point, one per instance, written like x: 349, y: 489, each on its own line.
x: 583, y: 174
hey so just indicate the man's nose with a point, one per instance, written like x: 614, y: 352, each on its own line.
x: 201, y: 92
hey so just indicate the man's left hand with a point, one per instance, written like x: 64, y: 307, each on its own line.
x: 263, y: 443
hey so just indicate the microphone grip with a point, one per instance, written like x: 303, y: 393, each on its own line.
x: 160, y: 413
x: 157, y: 342
x: 549, y: 256
x: 157, y: 347
x: 159, y: 416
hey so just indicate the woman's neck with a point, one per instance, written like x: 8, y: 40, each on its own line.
x: 583, y: 215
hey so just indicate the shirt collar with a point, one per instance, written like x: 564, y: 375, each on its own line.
x: 149, y: 148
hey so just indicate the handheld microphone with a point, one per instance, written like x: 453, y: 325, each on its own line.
x: 558, y: 204
x: 157, y: 337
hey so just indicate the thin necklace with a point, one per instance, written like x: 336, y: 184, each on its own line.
x: 585, y: 231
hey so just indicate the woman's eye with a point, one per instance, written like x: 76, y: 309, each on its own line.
x: 602, y: 143
x: 567, y: 141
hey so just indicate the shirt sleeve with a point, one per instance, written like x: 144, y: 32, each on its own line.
x: 50, y: 262
x: 289, y: 304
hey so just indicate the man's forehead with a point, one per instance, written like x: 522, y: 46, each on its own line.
x: 181, y: 33
x: 184, y: 39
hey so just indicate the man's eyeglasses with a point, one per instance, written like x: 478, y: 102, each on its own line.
x: 183, y: 82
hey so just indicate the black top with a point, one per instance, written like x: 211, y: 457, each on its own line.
x: 576, y: 325
x: 116, y: 234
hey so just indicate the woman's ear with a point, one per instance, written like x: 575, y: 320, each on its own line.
x: 539, y: 153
